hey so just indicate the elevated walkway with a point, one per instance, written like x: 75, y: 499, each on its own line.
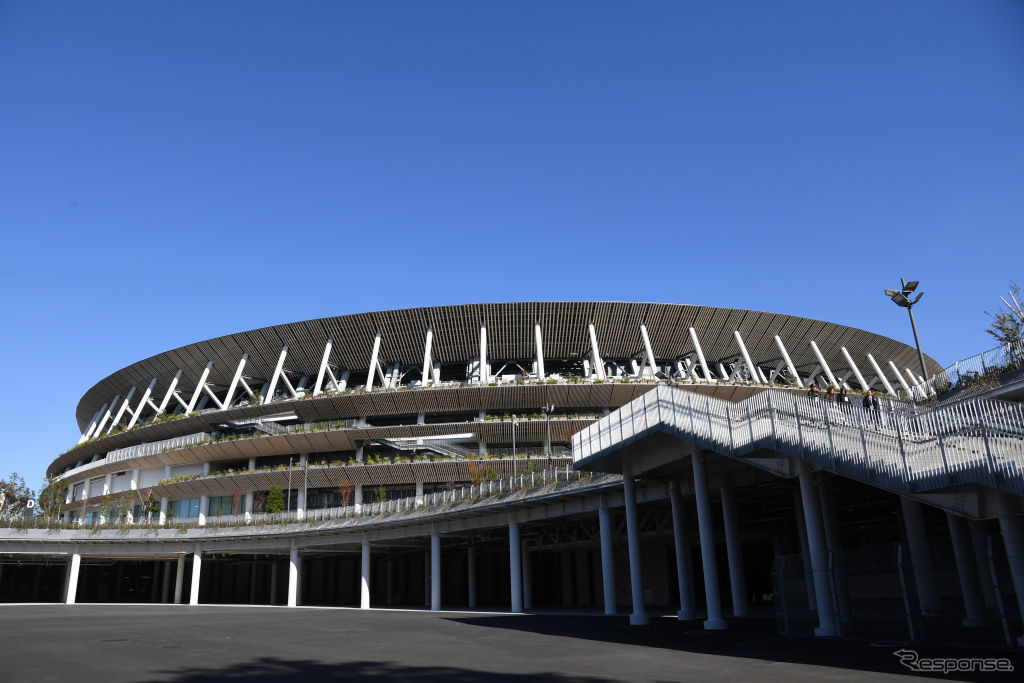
x: 950, y: 448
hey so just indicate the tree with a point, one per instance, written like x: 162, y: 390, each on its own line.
x: 1007, y: 323
x: 14, y: 496
x: 275, y: 499
x: 150, y: 506
x: 51, y: 498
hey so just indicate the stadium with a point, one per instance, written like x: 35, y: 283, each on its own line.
x: 606, y: 457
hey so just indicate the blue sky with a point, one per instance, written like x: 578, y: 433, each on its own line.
x: 174, y: 171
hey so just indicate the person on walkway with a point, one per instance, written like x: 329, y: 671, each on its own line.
x: 830, y: 395
x: 844, y: 397
x: 813, y: 392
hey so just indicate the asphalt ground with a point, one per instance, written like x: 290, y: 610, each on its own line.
x: 113, y: 643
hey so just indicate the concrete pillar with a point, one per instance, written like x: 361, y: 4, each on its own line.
x: 179, y: 579
x: 835, y: 546
x: 1013, y: 539
x: 515, y: 565
x: 527, y: 579
x: 604, y: 518
x: 163, y: 510
x: 197, y: 566
x: 805, y: 553
x: 364, y: 579
x: 705, y: 525
x: 71, y: 586
x: 471, y: 575
x: 828, y: 626
x: 639, y: 615
x: 967, y: 571
x: 435, y: 571
x: 248, y: 505
x: 273, y: 583
x: 684, y: 564
x: 419, y: 493
x: 293, y: 575
x: 920, y: 556
x: 389, y: 598
x: 357, y: 497
x: 734, y: 549
x: 165, y: 593
x: 980, y: 546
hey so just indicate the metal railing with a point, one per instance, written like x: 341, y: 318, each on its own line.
x: 979, y: 442
x: 981, y: 372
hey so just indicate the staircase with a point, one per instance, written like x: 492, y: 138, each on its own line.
x: 439, y: 446
x: 979, y: 442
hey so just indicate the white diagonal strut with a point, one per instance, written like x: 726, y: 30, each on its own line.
x: 318, y: 387
x: 373, y: 363
x: 595, y: 353
x: 199, y: 388
x: 92, y: 424
x: 700, y: 354
x: 648, y: 350
x: 277, y: 374
x: 746, y: 358
x: 881, y: 375
x: 427, y: 364
x: 824, y: 365
x: 120, y: 411
x: 856, y: 370
x: 540, y: 351
x: 106, y: 414
x: 485, y: 369
x: 230, y: 396
x: 789, y: 361
x: 170, y: 392
x: 902, y: 381
x: 142, y: 403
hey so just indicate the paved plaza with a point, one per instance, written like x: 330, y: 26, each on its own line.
x: 172, y: 643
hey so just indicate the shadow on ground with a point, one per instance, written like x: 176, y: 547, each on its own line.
x: 276, y: 669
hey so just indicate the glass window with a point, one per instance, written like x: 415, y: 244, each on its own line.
x: 220, y: 505
x: 187, y: 507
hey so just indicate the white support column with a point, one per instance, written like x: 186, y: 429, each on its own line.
x: 373, y: 362
x: 121, y: 410
x: 903, y: 382
x: 715, y: 621
x: 604, y: 517
x: 293, y: 574
x: 595, y: 353
x: 428, y: 364
x: 364, y: 577
x: 881, y: 375
x: 515, y: 565
x: 142, y: 403
x: 967, y: 571
x: 197, y: 565
x: 179, y: 579
x: 805, y: 552
x: 828, y: 625
x: 419, y: 493
x: 648, y: 350
x: 700, y: 355
x: 163, y: 510
x: 247, y: 512
x: 71, y: 585
x: 746, y: 357
x: 435, y: 571
x: 734, y: 550
x: 318, y: 386
x: 1013, y: 539
x: 684, y: 566
x: 639, y: 615
x: 357, y: 496
x: 824, y: 365
x: 485, y: 369
x: 979, y: 544
x: 471, y: 576
x: 204, y: 506
x: 540, y: 351
x: 278, y: 369
x: 856, y: 370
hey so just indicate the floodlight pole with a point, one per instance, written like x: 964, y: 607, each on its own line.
x: 917, y: 340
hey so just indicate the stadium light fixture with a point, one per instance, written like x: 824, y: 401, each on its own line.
x: 901, y: 297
